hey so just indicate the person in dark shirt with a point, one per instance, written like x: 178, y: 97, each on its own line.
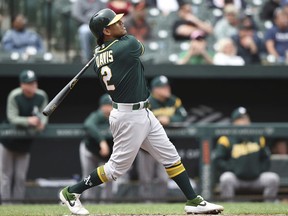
x: 23, y: 111
x: 244, y: 162
x: 188, y: 23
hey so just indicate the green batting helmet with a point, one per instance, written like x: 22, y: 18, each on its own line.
x: 101, y: 20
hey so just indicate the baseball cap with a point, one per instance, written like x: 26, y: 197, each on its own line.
x: 105, y: 99
x: 197, y: 34
x: 159, y: 81
x: 238, y: 113
x: 27, y: 76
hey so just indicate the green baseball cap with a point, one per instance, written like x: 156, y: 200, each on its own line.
x: 27, y: 76
x: 105, y: 99
x: 238, y: 113
x: 159, y: 81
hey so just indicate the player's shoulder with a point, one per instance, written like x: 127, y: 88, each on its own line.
x: 224, y: 141
x: 41, y: 92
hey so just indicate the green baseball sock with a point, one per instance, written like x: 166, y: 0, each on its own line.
x: 97, y: 177
x: 178, y: 173
x: 182, y: 180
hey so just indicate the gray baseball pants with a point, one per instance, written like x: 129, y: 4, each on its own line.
x: 14, y: 168
x: 88, y: 163
x: 268, y: 181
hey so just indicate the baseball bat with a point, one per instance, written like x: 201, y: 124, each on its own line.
x: 55, y: 102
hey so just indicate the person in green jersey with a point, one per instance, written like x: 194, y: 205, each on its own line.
x: 95, y: 147
x: 168, y: 109
x: 132, y: 124
x: 244, y: 162
x: 23, y: 111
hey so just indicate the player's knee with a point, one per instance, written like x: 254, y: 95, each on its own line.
x: 227, y: 178
x: 272, y: 179
x: 112, y: 173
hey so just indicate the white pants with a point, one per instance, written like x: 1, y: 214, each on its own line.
x: 151, y: 172
x: 88, y: 163
x: 268, y: 181
x: 131, y: 131
x: 14, y: 167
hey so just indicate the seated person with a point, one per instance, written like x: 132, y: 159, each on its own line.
x: 136, y: 23
x: 244, y: 162
x: 276, y: 38
x: 197, y: 52
x: 226, y: 53
x: 248, y: 44
x: 21, y: 40
x: 188, y: 23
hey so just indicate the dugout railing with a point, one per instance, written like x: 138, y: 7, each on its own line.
x: 205, y: 134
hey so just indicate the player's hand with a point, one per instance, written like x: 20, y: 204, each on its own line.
x: 164, y: 120
x: 34, y: 121
x: 40, y: 127
x: 104, y: 149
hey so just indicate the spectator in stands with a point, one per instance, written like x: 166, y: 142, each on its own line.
x: 239, y: 4
x: 136, y: 23
x: 227, y: 25
x: 248, y: 44
x: 226, y: 53
x: 82, y: 11
x: 120, y: 6
x: 267, y: 11
x: 244, y: 162
x: 197, y: 52
x: 168, y: 109
x: 24, y: 105
x: 276, y: 38
x: 22, y: 40
x: 95, y: 148
x: 188, y: 23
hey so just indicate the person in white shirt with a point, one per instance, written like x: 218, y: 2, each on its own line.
x: 226, y: 53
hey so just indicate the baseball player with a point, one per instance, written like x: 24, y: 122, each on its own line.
x: 132, y: 124
x: 94, y: 148
x: 244, y: 162
x: 23, y: 105
x: 168, y: 109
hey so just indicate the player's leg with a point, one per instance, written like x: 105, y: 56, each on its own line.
x: 6, y: 161
x: 21, y: 168
x: 145, y: 168
x: 128, y: 132
x: 158, y: 145
x: 228, y: 184
x: 88, y: 163
x: 270, y: 182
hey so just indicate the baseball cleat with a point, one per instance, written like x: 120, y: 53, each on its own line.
x: 72, y: 201
x: 200, y: 206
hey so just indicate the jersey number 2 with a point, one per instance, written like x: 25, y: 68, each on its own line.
x: 106, y: 76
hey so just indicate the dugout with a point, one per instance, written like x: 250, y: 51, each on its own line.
x: 209, y: 93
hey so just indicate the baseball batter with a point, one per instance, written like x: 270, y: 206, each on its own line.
x: 132, y: 124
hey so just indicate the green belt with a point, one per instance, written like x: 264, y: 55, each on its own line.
x: 135, y: 106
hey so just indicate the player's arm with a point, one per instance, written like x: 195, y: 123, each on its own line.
x: 264, y: 154
x: 13, y: 112
x: 222, y: 154
x: 180, y: 112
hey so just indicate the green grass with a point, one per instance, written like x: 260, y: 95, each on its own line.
x: 132, y: 209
